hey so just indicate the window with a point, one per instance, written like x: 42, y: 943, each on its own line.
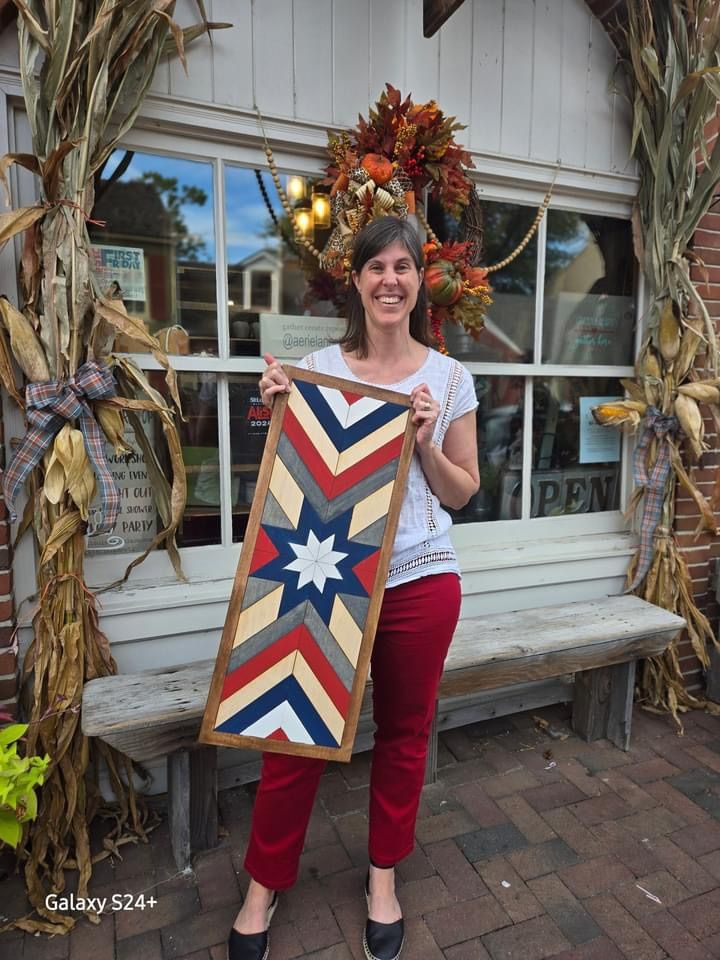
x: 558, y: 336
x: 202, y: 253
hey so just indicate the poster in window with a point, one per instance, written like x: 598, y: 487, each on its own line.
x: 598, y: 444
x: 137, y: 519
x: 120, y: 266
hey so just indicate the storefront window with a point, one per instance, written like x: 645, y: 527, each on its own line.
x: 587, y: 319
x: 157, y: 249
x: 539, y: 455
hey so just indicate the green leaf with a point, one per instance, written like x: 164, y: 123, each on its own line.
x: 12, y: 733
x: 10, y: 828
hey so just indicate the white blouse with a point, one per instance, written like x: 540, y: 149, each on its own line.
x: 422, y: 542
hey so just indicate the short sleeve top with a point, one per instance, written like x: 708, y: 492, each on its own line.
x: 422, y: 542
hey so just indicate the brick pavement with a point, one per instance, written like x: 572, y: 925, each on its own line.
x: 528, y: 847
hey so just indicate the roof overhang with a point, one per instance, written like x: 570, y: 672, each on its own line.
x: 610, y: 13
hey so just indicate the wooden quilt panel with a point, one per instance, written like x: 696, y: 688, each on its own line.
x: 294, y: 655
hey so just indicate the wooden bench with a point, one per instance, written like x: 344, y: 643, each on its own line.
x: 493, y: 668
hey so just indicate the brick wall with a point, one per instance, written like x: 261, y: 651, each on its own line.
x: 702, y: 553
x: 8, y: 646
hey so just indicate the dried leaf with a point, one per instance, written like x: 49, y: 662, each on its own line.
x: 18, y: 220
x: 64, y: 528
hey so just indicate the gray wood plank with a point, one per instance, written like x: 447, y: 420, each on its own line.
x: 149, y: 714
x: 178, y: 778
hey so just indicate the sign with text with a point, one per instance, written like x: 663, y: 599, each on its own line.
x: 598, y: 444
x: 588, y: 328
x: 554, y: 493
x: 124, y: 266
x: 137, y: 520
x: 291, y: 337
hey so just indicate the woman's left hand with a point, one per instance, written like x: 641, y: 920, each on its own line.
x: 426, y: 411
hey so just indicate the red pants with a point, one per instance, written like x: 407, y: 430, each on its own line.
x: 416, y: 625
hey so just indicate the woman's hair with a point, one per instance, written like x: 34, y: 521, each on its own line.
x: 369, y: 242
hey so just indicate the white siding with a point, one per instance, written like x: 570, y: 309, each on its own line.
x: 532, y: 80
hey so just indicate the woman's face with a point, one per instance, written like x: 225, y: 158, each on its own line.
x: 388, y: 285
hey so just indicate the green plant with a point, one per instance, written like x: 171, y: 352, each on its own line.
x: 19, y: 778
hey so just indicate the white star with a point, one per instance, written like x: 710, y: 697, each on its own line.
x: 316, y: 562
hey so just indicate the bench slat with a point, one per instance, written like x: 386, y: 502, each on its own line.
x: 156, y: 712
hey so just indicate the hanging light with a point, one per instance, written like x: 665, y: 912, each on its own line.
x: 305, y: 220
x: 321, y: 210
x: 296, y: 187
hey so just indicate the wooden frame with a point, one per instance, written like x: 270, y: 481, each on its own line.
x: 295, y: 651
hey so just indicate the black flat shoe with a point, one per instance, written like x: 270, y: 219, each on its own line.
x: 252, y: 946
x: 382, y: 941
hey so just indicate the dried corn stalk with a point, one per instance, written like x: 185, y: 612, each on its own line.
x: 86, y: 66
x: 671, y: 57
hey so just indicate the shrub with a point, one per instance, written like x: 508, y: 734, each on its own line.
x: 19, y: 777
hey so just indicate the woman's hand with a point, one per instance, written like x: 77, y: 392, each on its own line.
x: 426, y: 411
x: 274, y: 380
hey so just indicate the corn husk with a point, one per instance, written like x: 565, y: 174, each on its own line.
x: 669, y: 332
x: 691, y: 421
x: 113, y: 426
x: 85, y: 69
x: 701, y: 392
x: 691, y: 342
x: 669, y: 53
x: 622, y: 413
x: 24, y: 342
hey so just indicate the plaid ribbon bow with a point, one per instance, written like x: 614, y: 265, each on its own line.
x: 49, y: 406
x: 654, y: 425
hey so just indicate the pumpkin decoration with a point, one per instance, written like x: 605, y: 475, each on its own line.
x: 379, y: 168
x: 444, y: 282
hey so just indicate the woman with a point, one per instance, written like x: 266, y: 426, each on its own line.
x: 387, y: 343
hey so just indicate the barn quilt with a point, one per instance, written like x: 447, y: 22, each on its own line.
x: 295, y: 650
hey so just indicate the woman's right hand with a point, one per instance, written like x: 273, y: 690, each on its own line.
x: 274, y: 380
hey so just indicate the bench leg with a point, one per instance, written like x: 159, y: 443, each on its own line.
x: 432, y: 750
x: 603, y: 703
x: 192, y: 802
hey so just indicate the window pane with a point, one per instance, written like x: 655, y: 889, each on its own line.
x: 508, y: 335
x: 269, y: 273
x: 589, y: 313
x: 199, y: 439
x: 157, y: 251
x: 576, y: 463
x: 500, y: 433
x: 249, y: 424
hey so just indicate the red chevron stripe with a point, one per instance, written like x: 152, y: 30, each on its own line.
x: 333, y: 485
x: 365, y: 571
x: 307, y: 452
x: 300, y: 639
x: 351, y: 397
x: 265, y: 551
x: 278, y: 734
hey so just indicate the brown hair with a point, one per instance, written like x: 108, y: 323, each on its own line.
x: 370, y: 241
